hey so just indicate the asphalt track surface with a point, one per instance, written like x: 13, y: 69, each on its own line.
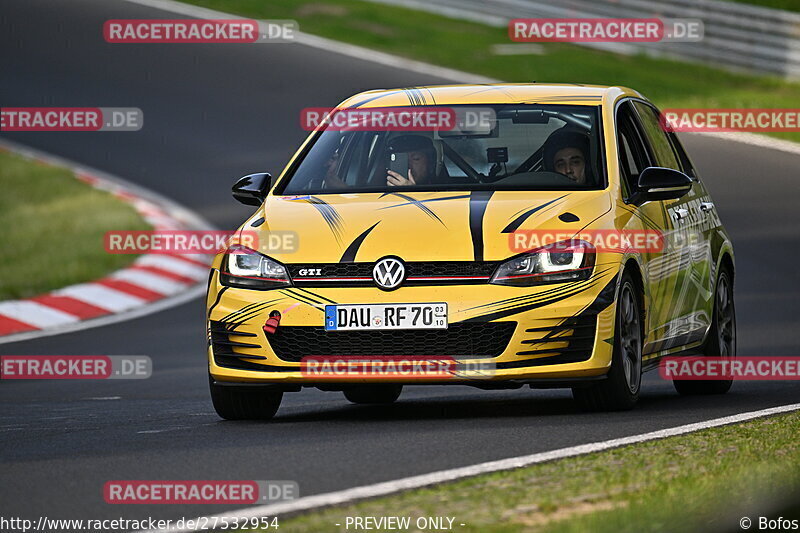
x: 214, y: 113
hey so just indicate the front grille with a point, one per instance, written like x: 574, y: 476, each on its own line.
x: 488, y: 339
x: 361, y: 273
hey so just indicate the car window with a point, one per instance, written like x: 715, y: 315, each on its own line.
x: 523, y: 147
x: 656, y: 137
x: 683, y: 157
x: 632, y: 153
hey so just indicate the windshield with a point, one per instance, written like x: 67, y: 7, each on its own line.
x: 519, y: 147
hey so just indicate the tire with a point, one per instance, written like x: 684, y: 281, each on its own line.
x: 373, y: 394
x: 245, y: 402
x: 721, y: 341
x: 620, y: 390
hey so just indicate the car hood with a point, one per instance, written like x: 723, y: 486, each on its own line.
x: 415, y: 226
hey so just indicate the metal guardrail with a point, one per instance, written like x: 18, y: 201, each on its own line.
x: 738, y: 36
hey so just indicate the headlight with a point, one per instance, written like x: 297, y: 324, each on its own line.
x: 248, y: 269
x: 562, y: 261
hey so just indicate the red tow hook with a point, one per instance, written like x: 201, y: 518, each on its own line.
x: 272, y: 322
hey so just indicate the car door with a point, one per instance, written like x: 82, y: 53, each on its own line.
x: 709, y: 225
x: 634, y: 157
x: 686, y: 318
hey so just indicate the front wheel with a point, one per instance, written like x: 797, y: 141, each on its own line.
x: 620, y: 390
x: 244, y: 402
x: 721, y: 340
x: 367, y: 394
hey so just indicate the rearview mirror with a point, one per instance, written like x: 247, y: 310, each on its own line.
x: 658, y: 183
x: 253, y: 188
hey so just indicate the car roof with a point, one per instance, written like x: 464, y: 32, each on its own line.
x: 505, y: 93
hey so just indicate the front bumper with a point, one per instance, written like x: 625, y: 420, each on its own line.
x: 549, y: 332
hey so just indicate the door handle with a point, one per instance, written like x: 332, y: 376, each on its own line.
x: 680, y: 214
x: 706, y: 206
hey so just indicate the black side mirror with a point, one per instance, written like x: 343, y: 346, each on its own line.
x: 253, y: 188
x: 658, y: 183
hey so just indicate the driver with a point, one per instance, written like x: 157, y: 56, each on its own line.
x: 566, y: 152
x: 421, y: 160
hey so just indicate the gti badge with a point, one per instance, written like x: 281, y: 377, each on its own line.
x: 388, y: 273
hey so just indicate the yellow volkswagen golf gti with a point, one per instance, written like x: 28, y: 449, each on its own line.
x: 488, y: 235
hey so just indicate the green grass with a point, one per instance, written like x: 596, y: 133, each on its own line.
x: 467, y: 46
x: 788, y: 5
x: 702, y: 481
x: 53, y: 227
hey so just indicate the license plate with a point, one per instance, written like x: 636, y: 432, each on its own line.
x: 385, y: 316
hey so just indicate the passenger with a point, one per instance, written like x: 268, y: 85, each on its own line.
x: 332, y: 181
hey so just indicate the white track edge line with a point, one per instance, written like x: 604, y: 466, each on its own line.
x: 384, y: 58
x: 414, y: 482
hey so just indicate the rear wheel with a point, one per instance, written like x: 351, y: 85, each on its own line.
x: 620, y: 390
x: 375, y: 394
x: 721, y: 340
x: 234, y: 402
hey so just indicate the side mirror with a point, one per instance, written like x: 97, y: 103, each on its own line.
x: 657, y: 183
x: 253, y: 188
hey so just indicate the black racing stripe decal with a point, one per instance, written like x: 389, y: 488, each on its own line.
x: 244, y: 309
x: 525, y: 300
x: 520, y: 300
x: 415, y: 96
x: 216, y: 301
x: 603, y: 300
x: 329, y: 214
x: 349, y: 255
x: 427, y: 200
x: 413, y: 201
x: 522, y: 308
x: 478, y: 200
x: 303, y: 298
x: 248, y: 309
x: 517, y: 222
x: 372, y: 99
x: 315, y: 295
x: 533, y: 297
x: 433, y: 98
x: 239, y: 320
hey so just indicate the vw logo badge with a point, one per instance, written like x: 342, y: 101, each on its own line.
x: 388, y: 273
